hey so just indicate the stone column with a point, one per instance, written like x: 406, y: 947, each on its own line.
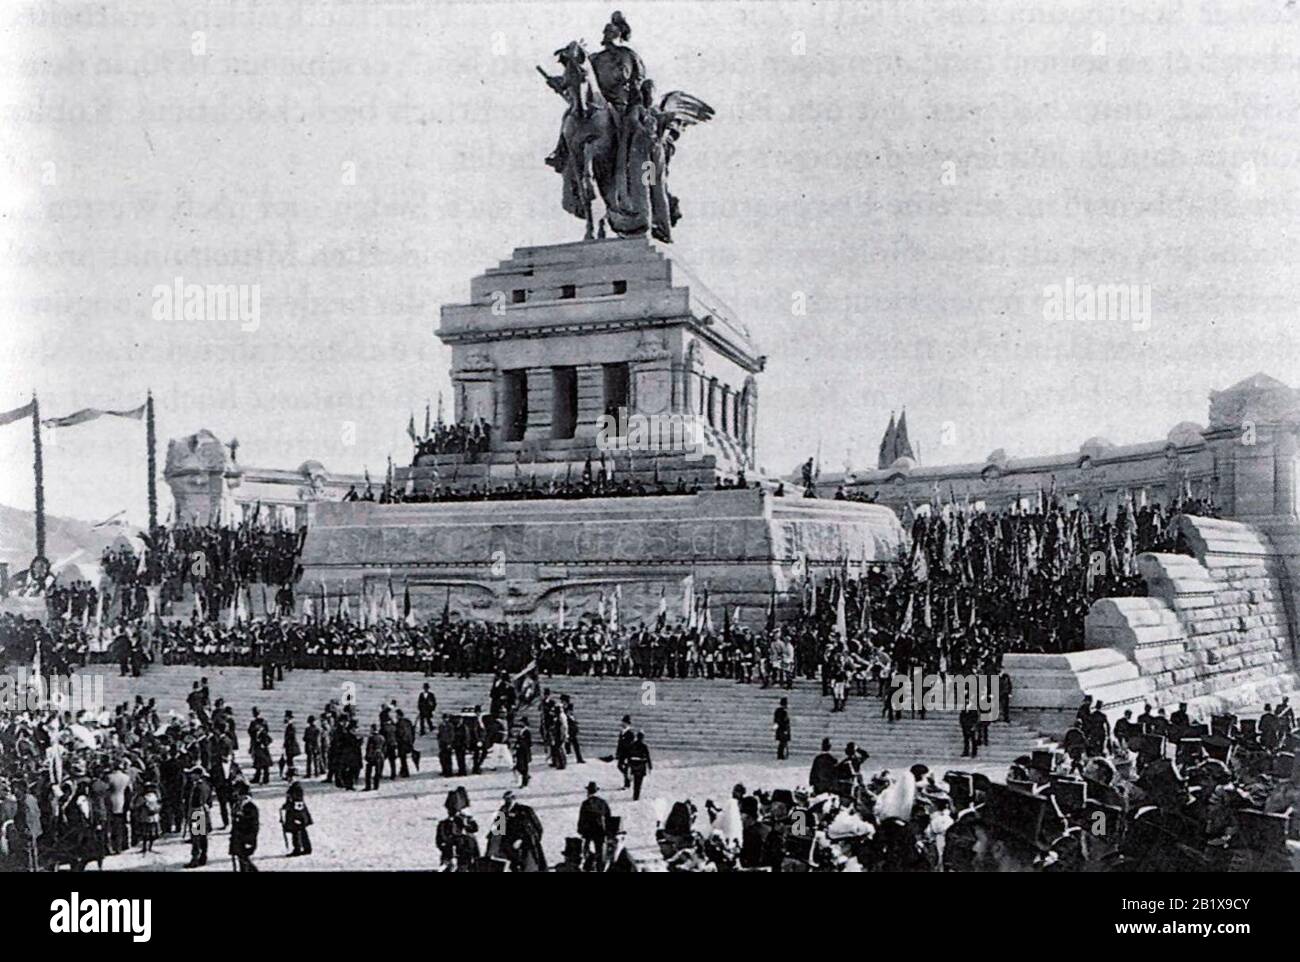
x: 591, y: 399
x: 539, y: 404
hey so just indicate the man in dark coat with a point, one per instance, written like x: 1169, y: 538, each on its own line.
x: 198, y: 802
x: 375, y: 752
x: 519, y: 832
x: 457, y: 834
x: 638, y: 763
x: 523, y: 752
x: 626, y: 738
x: 821, y: 777
x: 243, y: 829
x: 405, y: 731
x: 781, y: 728
x: 593, y: 823
x: 425, y: 707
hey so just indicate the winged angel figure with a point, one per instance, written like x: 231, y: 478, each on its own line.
x: 616, y: 142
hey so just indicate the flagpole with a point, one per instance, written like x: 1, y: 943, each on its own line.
x: 151, y: 443
x: 38, y: 469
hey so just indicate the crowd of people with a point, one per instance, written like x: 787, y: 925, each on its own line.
x: 600, y: 483
x: 215, y: 562
x: 461, y: 438
x: 78, y: 787
x: 1168, y: 795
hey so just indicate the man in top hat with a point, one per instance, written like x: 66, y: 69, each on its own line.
x: 425, y: 706
x: 781, y: 728
x: 290, y: 749
x: 822, y: 774
x: 573, y: 856
x: 198, y: 802
x: 593, y: 824
x: 620, y: 859
x: 626, y: 738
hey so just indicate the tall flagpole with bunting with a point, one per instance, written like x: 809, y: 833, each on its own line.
x: 152, y: 456
x: 38, y: 468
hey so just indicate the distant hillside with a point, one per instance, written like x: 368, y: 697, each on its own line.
x: 67, y: 540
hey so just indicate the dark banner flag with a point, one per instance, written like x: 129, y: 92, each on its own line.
x: 526, y: 684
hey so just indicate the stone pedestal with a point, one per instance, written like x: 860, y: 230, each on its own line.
x: 610, y: 310
x: 517, y: 559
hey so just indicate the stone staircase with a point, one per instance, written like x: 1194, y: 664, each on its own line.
x: 717, y: 718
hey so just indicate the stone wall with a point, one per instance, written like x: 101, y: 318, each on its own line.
x: 1217, y: 629
x: 516, y: 559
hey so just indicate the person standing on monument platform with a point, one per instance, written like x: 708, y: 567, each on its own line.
x: 781, y: 728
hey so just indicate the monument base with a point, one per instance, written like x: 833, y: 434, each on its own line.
x: 529, y: 559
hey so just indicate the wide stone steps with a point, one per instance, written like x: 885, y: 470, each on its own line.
x: 679, y: 716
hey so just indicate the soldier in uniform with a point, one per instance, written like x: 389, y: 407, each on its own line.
x: 243, y: 829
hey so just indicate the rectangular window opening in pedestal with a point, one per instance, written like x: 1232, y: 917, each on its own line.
x: 514, y: 404
x: 564, y: 402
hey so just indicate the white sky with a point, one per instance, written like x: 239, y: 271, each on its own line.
x: 1114, y: 146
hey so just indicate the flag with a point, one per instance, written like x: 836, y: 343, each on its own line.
x: 407, y: 615
x: 17, y: 414
x: 410, y: 430
x: 905, y: 626
x: 391, y: 614
x: 427, y: 427
x: 91, y: 414
x: 771, y: 610
x: 525, y: 684
x: 688, y: 601
x: 199, y: 613
x: 864, y: 615
x: 562, y: 612
x: 323, y: 611
x: 446, y: 608
x: 662, y: 618
x: 615, y: 609
x: 344, y: 608
x: 841, y: 618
